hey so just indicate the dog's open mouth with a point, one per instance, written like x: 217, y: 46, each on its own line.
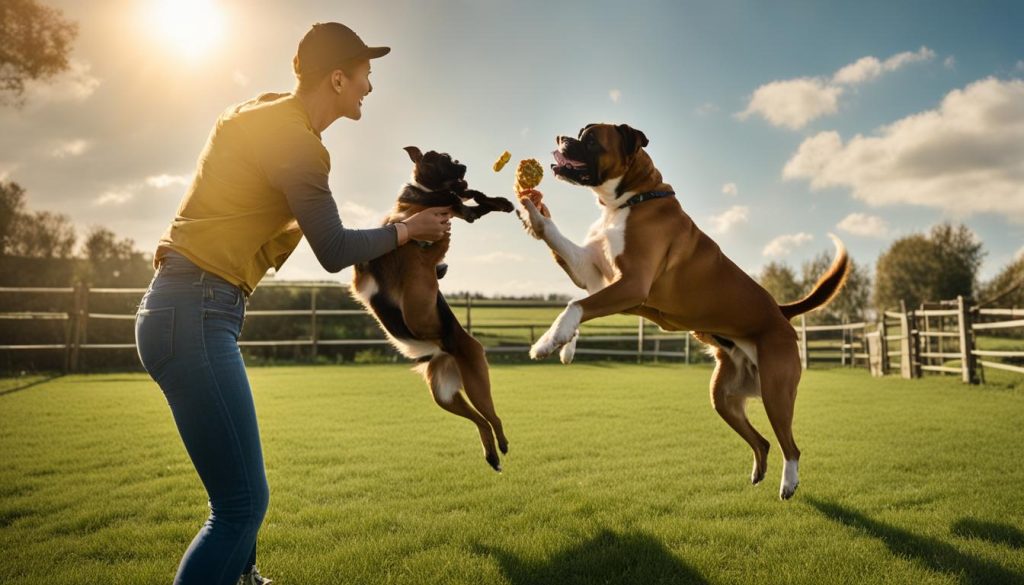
x: 563, y: 162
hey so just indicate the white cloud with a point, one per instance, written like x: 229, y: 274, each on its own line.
x: 615, y: 95
x: 70, y: 148
x: 165, y: 180
x: 524, y: 132
x: 707, y: 108
x: 793, y: 103
x: 862, y: 224
x: 76, y: 84
x: 499, y: 257
x: 730, y: 189
x: 240, y: 78
x: 1019, y: 254
x: 965, y: 157
x: 1019, y: 66
x: 115, y: 197
x: 950, y: 62
x: 734, y: 216
x: 785, y: 244
x: 354, y: 215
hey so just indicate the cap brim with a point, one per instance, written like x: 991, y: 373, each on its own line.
x: 375, y: 52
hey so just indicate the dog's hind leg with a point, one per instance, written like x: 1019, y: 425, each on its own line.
x: 730, y: 387
x: 779, y: 367
x: 472, y: 363
x: 443, y: 378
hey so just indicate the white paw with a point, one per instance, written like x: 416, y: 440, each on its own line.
x: 534, y: 222
x: 790, y: 479
x: 569, y: 350
x: 562, y: 331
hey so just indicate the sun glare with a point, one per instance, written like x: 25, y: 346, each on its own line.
x: 189, y: 28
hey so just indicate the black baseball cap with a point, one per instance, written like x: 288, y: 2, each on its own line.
x: 329, y: 45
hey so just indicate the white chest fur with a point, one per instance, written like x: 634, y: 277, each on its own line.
x: 607, y: 236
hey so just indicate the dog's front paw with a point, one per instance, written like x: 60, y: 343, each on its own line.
x: 561, y: 332
x: 532, y: 219
x: 503, y: 205
x: 569, y: 350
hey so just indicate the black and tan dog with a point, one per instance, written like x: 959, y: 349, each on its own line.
x: 401, y: 290
x: 645, y: 256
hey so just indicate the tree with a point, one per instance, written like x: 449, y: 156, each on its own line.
x: 42, y: 235
x: 919, y: 268
x: 12, y: 205
x: 852, y: 301
x: 35, y: 41
x: 113, y: 262
x: 1007, y: 288
x: 780, y: 282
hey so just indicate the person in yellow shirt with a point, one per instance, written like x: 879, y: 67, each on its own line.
x: 260, y: 186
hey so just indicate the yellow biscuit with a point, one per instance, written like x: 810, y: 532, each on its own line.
x: 502, y: 160
x: 528, y: 175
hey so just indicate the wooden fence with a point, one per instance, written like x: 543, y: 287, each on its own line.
x: 843, y: 345
x: 942, y: 337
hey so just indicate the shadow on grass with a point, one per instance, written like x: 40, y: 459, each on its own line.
x: 993, y: 532
x: 932, y: 553
x: 28, y: 385
x: 608, y: 558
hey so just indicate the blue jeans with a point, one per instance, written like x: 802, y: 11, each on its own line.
x: 186, y: 332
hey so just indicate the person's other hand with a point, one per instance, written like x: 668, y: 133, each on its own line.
x: 430, y: 225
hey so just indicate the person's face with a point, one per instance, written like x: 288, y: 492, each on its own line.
x: 352, y: 89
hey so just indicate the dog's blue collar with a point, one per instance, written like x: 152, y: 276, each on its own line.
x: 647, y: 196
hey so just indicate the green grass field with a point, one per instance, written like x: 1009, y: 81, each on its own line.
x: 618, y: 474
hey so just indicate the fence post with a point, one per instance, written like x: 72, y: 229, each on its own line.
x: 469, y: 314
x: 687, y: 350
x: 804, y: 360
x: 883, y: 344
x: 80, y: 316
x: 966, y: 342
x: 906, y: 366
x: 640, y: 340
x: 313, y: 332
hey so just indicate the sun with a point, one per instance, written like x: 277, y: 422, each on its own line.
x: 189, y: 28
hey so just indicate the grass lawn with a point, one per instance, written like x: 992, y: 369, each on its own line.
x: 618, y: 474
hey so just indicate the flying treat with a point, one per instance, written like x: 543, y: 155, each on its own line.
x: 528, y: 175
x: 502, y: 160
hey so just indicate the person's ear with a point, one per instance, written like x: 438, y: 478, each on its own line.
x: 337, y: 80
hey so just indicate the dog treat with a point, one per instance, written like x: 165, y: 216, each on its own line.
x: 528, y: 175
x: 502, y: 161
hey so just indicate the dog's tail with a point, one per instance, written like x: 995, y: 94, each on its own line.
x: 828, y: 285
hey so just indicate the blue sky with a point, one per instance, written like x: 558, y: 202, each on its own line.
x: 775, y: 122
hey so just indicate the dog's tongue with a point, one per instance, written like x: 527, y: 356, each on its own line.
x: 562, y: 161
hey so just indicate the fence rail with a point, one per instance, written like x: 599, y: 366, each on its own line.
x: 848, y: 349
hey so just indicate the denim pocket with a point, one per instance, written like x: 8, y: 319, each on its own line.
x: 221, y: 296
x: 154, y: 337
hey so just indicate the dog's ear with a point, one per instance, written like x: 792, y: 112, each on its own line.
x: 414, y: 154
x: 632, y: 139
x: 585, y: 128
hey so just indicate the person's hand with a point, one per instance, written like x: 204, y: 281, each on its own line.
x: 430, y: 225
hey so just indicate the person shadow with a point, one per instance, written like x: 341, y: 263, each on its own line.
x: 932, y: 553
x: 608, y: 558
x: 1001, y: 534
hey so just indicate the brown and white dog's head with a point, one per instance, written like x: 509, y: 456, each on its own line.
x: 599, y: 153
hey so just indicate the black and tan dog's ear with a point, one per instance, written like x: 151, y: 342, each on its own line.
x: 632, y: 139
x: 414, y: 154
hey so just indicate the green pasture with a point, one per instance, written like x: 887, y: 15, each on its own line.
x: 618, y: 474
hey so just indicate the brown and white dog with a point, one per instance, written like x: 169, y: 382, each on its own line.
x: 401, y: 290
x: 645, y: 256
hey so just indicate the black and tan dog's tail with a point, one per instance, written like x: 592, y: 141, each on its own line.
x: 828, y: 285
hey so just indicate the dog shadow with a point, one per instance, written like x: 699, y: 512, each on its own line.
x: 932, y: 553
x: 996, y: 533
x: 607, y: 558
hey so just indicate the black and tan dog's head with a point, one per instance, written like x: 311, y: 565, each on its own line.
x: 437, y: 171
x: 600, y: 152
